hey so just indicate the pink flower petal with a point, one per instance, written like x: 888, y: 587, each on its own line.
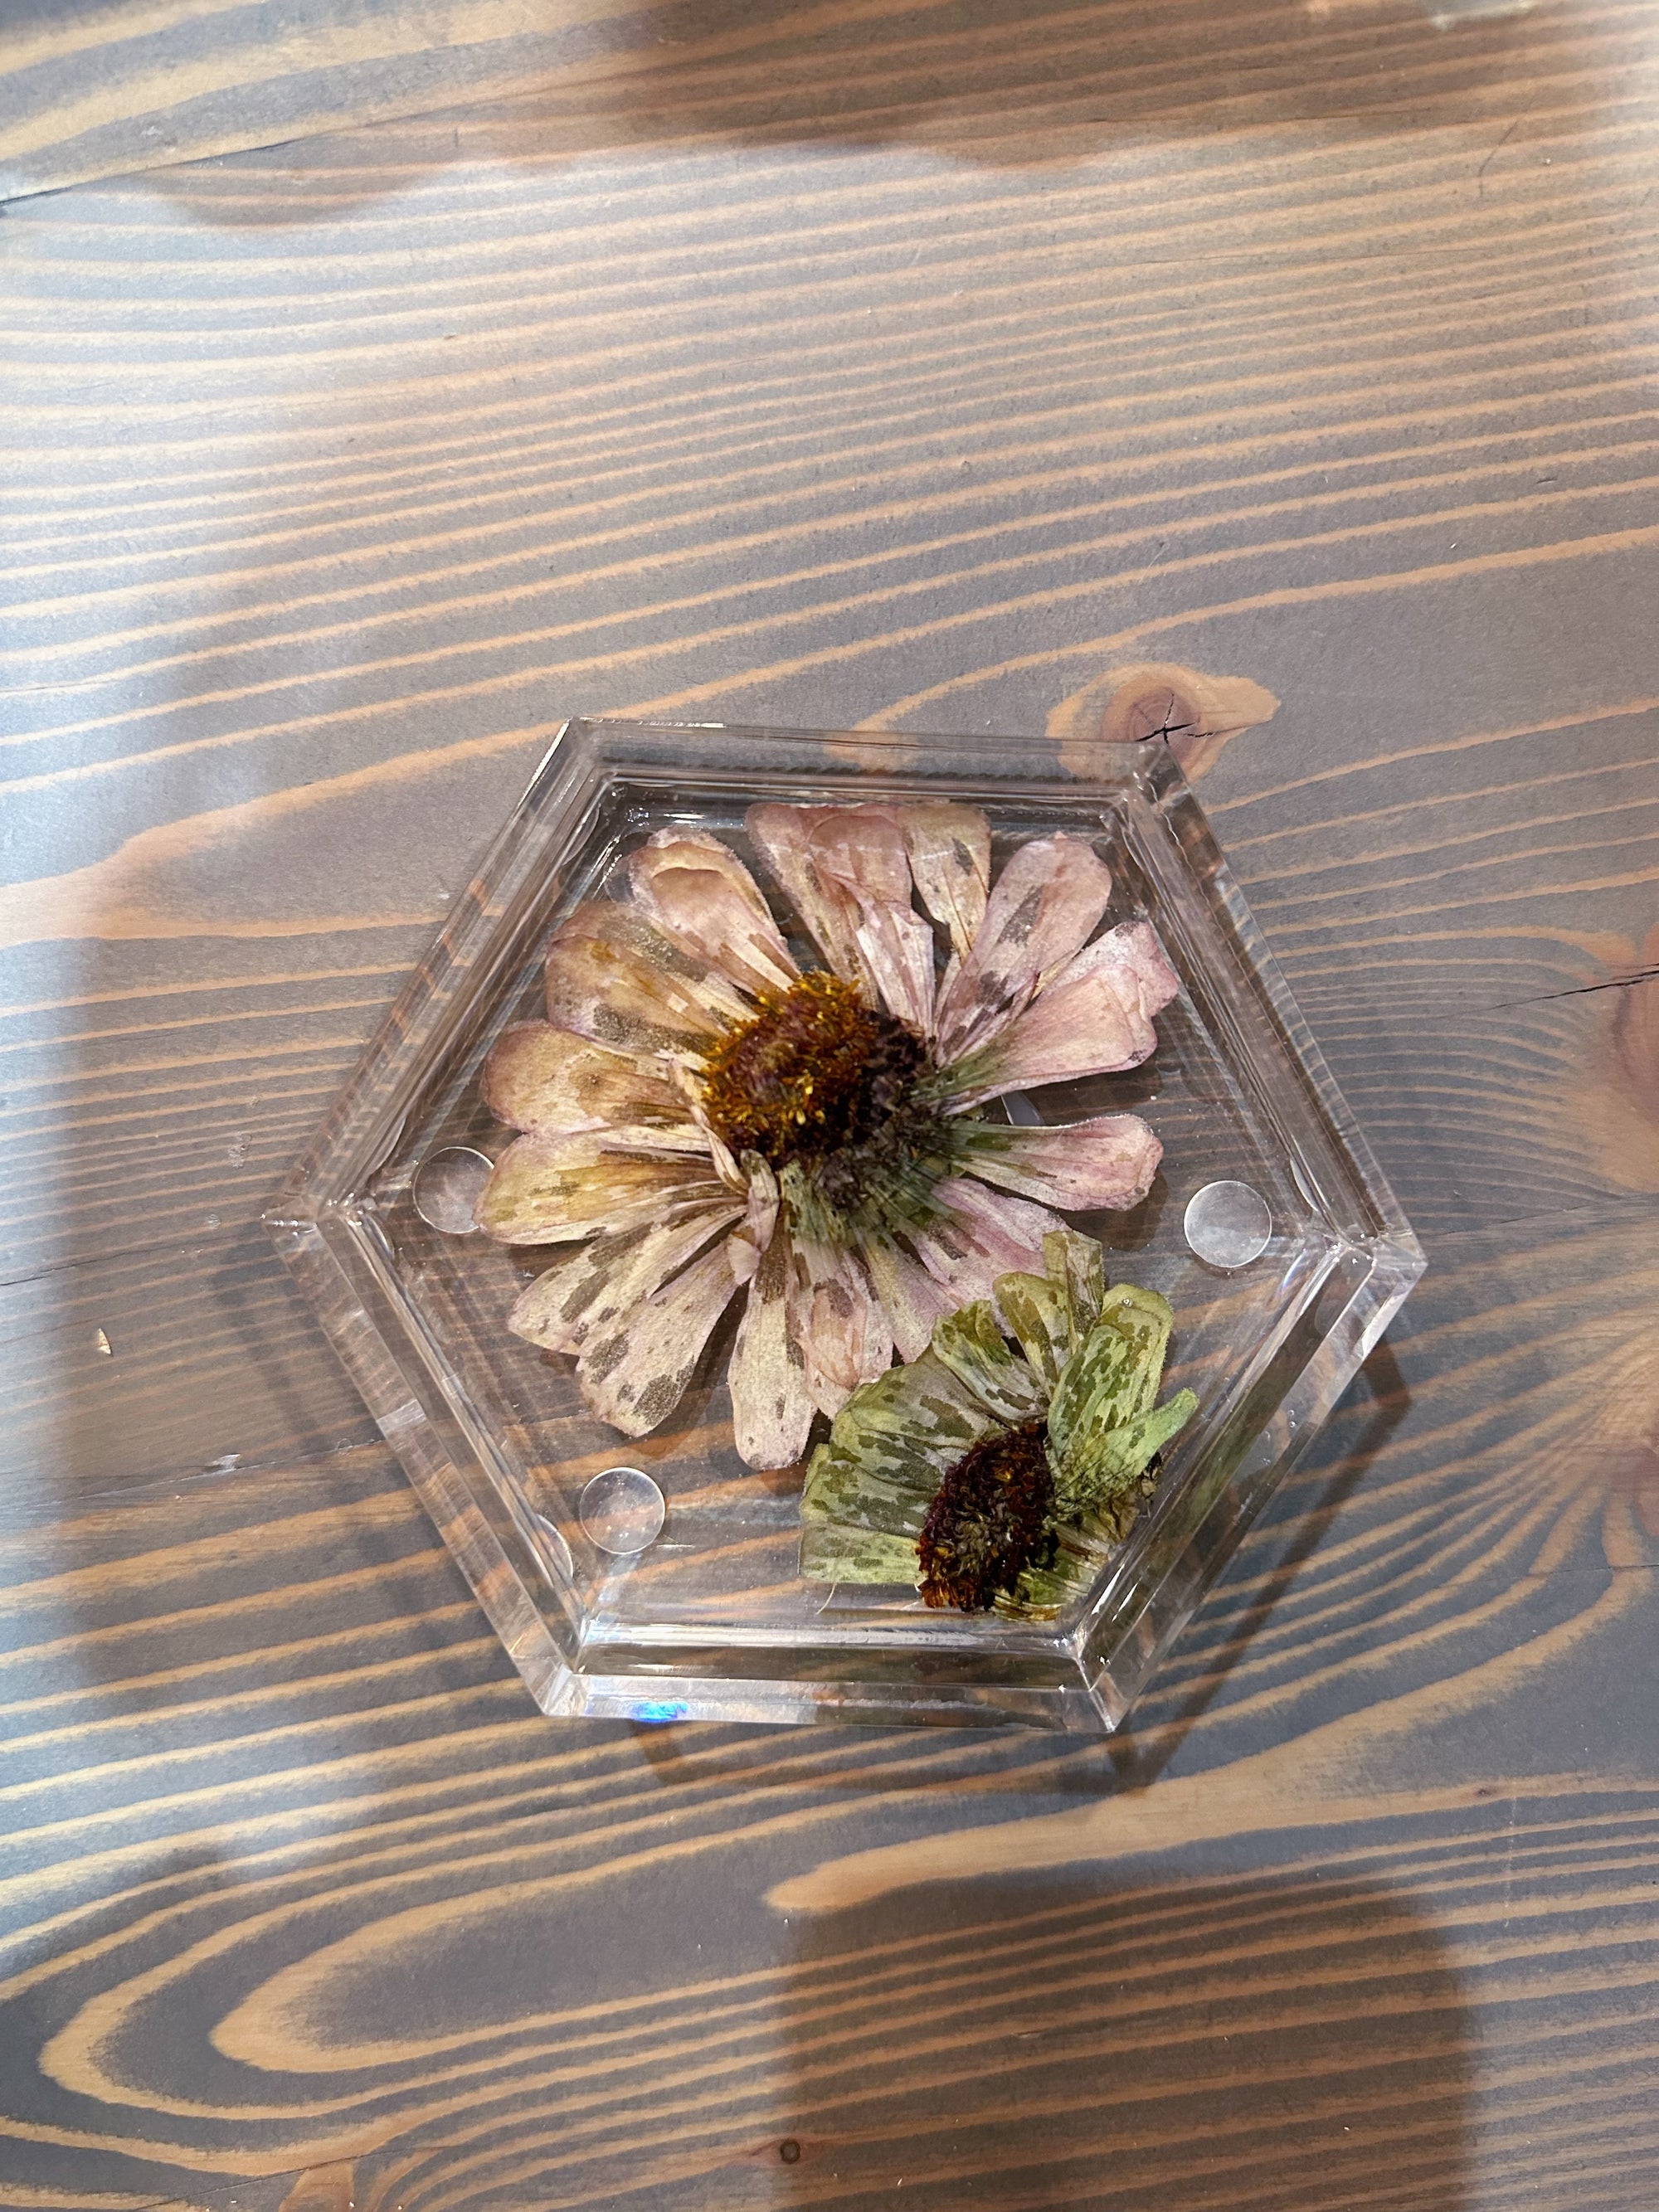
x: 1136, y: 950
x: 589, y: 1288
x: 861, y: 849
x: 699, y: 893
x: 783, y: 836
x: 553, y: 1083
x: 771, y: 1406
x: 753, y: 1235
x: 547, y: 1190
x: 1095, y: 1017
x: 1042, y: 907
x: 844, y: 1335
x: 912, y: 1299
x: 859, y: 853
x: 612, y: 977
x: 950, y: 849
x: 983, y: 1234
x: 634, y: 1373
x: 1107, y: 1162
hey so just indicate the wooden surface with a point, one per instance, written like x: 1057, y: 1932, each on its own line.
x: 851, y: 362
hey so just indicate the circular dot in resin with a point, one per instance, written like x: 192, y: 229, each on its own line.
x: 621, y: 1510
x: 448, y: 1188
x: 1228, y: 1224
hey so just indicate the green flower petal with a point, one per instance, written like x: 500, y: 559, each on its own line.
x: 1109, y: 1382
x: 1098, y: 1390
x: 1105, y: 1465
x: 891, y: 1445
x: 970, y: 1344
x: 1076, y: 1267
x: 1031, y: 1308
x: 1042, y: 1592
x: 1053, y: 1313
x: 1145, y: 1317
x: 832, y: 1552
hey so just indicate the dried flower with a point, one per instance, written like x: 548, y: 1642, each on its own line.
x: 988, y: 1476
x: 702, y: 1116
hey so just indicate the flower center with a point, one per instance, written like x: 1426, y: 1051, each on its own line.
x: 815, y: 1072
x: 990, y: 1521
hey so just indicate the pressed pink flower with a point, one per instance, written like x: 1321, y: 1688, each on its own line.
x: 704, y: 1115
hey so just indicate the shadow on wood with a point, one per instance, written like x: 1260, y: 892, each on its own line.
x: 1080, y: 2040
x: 996, y: 83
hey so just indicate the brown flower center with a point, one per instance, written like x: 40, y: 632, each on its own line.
x: 815, y: 1072
x: 989, y: 1522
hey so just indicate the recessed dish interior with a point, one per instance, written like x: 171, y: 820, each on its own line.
x: 725, y: 1557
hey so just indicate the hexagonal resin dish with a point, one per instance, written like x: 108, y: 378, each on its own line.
x: 656, y: 1577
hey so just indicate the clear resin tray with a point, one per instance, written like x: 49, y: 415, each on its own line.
x: 611, y: 1603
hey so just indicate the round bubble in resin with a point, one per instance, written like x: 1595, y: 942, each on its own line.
x: 448, y: 1188
x: 1228, y: 1224
x: 621, y: 1510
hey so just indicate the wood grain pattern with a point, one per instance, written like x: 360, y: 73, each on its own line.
x: 269, y: 1777
x: 95, y: 90
x: 856, y: 363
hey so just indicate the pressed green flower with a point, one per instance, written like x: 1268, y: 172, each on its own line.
x: 992, y: 1472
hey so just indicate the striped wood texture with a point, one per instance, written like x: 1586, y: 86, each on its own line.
x: 841, y: 364
x: 92, y: 88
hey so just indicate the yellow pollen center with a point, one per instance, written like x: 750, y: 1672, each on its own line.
x: 816, y: 1070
